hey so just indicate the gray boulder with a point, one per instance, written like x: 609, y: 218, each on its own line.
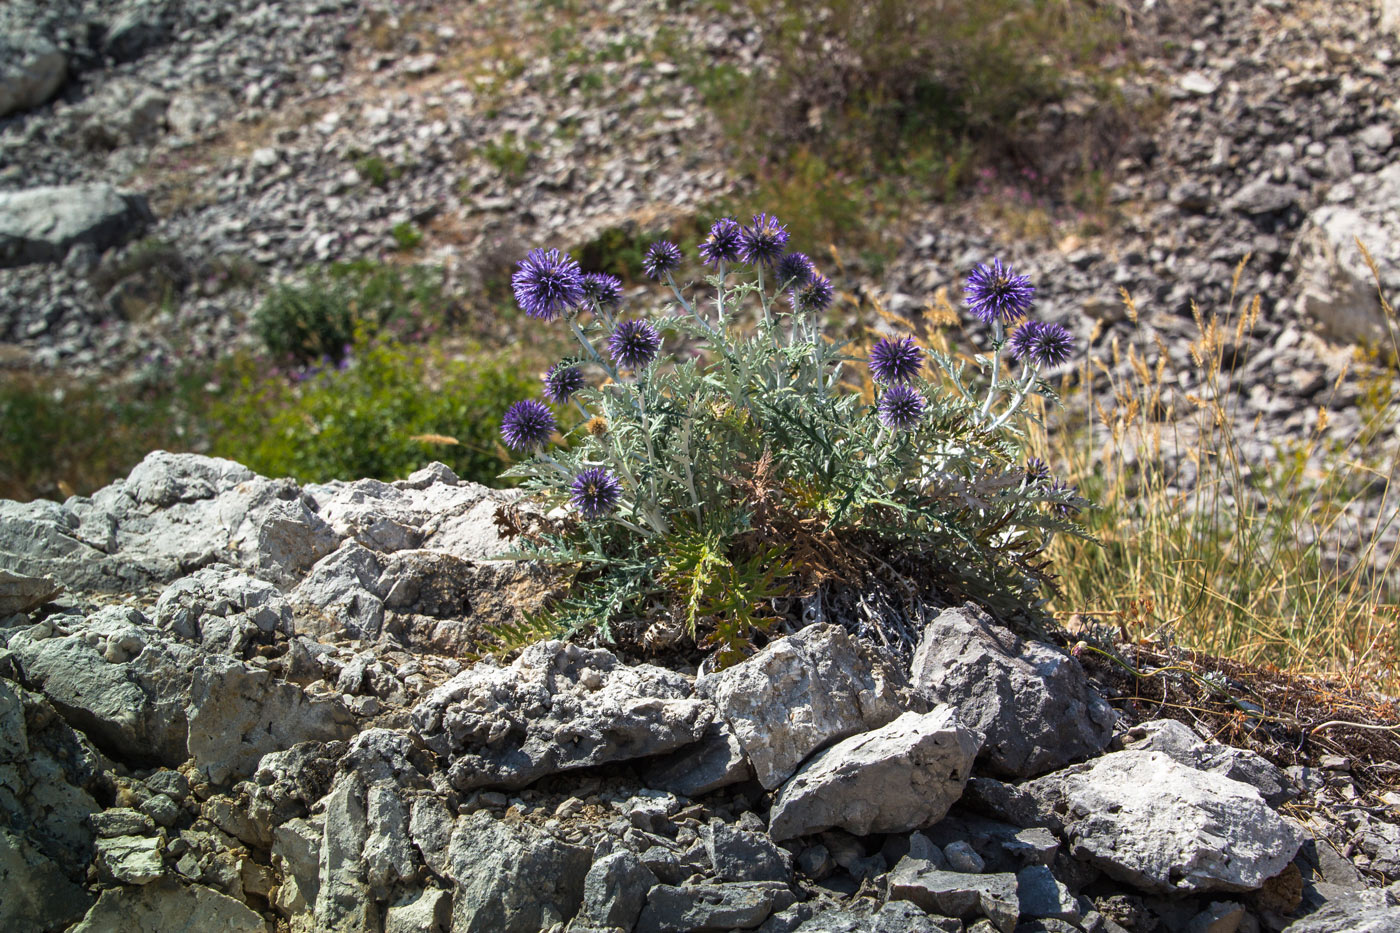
x: 223, y: 610
x: 513, y: 878
x: 900, y: 777
x: 238, y: 713
x: 712, y: 908
x: 801, y: 693
x: 1185, y: 747
x: 20, y: 593
x: 716, y: 761
x: 954, y: 894
x: 1148, y: 821
x: 427, y: 911
x: 1372, y: 911
x: 42, y: 224
x: 556, y: 708
x: 159, y: 908
x: 38, y: 895
x: 740, y: 855
x: 615, y: 890
x: 341, y: 596
x: 32, y: 69
x: 1030, y: 700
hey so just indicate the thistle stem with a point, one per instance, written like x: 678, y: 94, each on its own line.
x: 996, y: 367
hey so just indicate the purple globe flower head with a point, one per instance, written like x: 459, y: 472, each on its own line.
x: 1037, y: 472
x: 661, y: 258
x: 595, y: 492
x: 897, y: 360
x: 815, y: 295
x: 1063, y: 509
x: 900, y: 407
x: 764, y: 240
x: 1040, y: 343
x: 795, y: 270
x: 724, y: 244
x: 561, y: 382
x: 634, y: 344
x: 547, y: 283
x: 996, y: 293
x: 602, y: 289
x: 527, y: 425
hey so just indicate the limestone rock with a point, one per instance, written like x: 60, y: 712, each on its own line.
x: 801, y: 693
x: 740, y: 855
x: 615, y: 890
x: 223, y: 610
x: 42, y: 224
x: 238, y: 713
x: 955, y: 894
x: 159, y: 908
x: 557, y: 707
x: 711, y: 908
x: 1371, y: 911
x: 428, y: 911
x: 716, y: 761
x: 38, y: 895
x: 513, y: 879
x: 893, y: 779
x: 21, y: 593
x: 32, y: 69
x: 1032, y: 701
x: 1146, y: 820
x: 1238, y: 764
x: 131, y: 859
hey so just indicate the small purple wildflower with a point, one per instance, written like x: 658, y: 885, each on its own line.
x: 595, y: 492
x: 661, y: 257
x: 1037, y: 472
x: 561, y: 382
x: 996, y: 293
x: 815, y: 295
x: 602, y: 289
x: 1060, y: 487
x: 900, y: 407
x: 896, y: 360
x: 1040, y: 343
x: 764, y: 240
x: 527, y: 425
x: 724, y: 244
x: 795, y: 270
x: 635, y: 343
x: 546, y: 283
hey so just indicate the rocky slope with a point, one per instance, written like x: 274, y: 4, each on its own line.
x: 246, y: 707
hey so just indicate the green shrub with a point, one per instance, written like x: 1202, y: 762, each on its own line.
x: 320, y: 317
x: 407, y: 236
x: 385, y: 411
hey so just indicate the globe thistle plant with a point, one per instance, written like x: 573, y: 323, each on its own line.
x: 547, y: 283
x: 763, y: 241
x: 527, y: 425
x: 561, y: 382
x: 661, y: 259
x: 897, y: 360
x: 698, y: 478
x: 724, y: 244
x: 634, y: 344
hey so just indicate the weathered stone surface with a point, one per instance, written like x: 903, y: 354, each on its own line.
x: 428, y: 911
x: 42, y: 224
x: 1184, y: 746
x: 1041, y: 895
x: 716, y: 761
x: 131, y: 859
x: 615, y: 890
x: 160, y: 908
x: 1146, y: 820
x: 343, y: 902
x: 122, y: 821
x: 1031, y: 700
x: 513, y: 879
x: 955, y: 894
x: 238, y: 713
x: 740, y: 855
x: 893, y: 917
x: 1372, y: 911
x: 557, y: 707
x: 800, y: 693
x: 894, y: 779
x: 296, y: 855
x: 32, y: 69
x: 20, y: 593
x: 340, y: 595
x: 223, y: 610
x: 1263, y: 196
x: 38, y: 896
x: 711, y: 908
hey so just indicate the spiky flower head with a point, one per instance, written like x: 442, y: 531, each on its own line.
x: 602, y: 289
x: 815, y: 295
x: 1040, y: 343
x: 527, y: 425
x: 634, y: 344
x: 595, y: 492
x: 996, y: 293
x: 561, y: 382
x: 547, y: 283
x: 897, y: 360
x: 661, y: 258
x: 1037, y: 472
x: 1064, y: 509
x: 795, y: 270
x: 764, y: 240
x: 724, y: 244
x: 900, y: 407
